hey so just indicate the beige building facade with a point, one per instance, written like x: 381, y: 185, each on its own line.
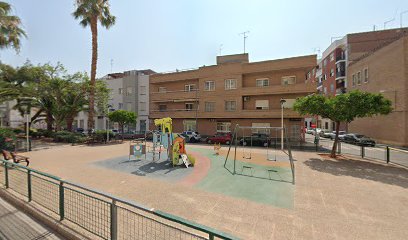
x: 384, y: 71
x: 215, y: 98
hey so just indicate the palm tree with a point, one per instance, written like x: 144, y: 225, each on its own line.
x: 90, y: 12
x: 10, y: 28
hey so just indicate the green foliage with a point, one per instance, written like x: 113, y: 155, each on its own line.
x: 7, y: 137
x: 88, y: 10
x: 122, y: 117
x: 345, y: 107
x: 68, y: 137
x: 101, y: 135
x: 11, y: 31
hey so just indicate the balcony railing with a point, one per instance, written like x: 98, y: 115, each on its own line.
x: 341, y: 57
x: 340, y: 74
x: 174, y: 96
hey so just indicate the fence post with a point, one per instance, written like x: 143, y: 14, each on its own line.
x: 29, y: 185
x: 6, y: 180
x: 362, y: 151
x: 211, y: 236
x: 388, y: 154
x: 61, y: 201
x: 339, y: 147
x: 114, y: 221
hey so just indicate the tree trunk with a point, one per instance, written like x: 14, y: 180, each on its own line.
x: 336, y: 140
x: 70, y: 121
x: 49, y: 121
x: 91, y: 113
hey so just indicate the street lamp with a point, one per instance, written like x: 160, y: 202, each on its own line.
x: 282, y: 102
x: 107, y: 124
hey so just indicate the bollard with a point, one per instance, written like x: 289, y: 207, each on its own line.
x: 388, y: 154
x: 362, y: 151
x: 61, y: 201
x: 114, y: 221
x: 29, y: 185
x: 6, y: 180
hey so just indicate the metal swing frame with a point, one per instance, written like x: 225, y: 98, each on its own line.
x: 234, y: 144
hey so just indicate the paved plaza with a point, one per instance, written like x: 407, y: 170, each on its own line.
x: 332, y: 199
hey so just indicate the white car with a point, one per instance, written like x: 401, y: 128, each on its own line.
x: 341, y: 135
x: 192, y: 136
x: 317, y: 130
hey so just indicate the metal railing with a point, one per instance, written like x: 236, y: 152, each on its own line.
x: 383, y: 153
x: 101, y: 214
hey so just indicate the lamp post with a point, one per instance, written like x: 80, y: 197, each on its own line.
x: 282, y: 102
x: 27, y: 131
x: 107, y: 124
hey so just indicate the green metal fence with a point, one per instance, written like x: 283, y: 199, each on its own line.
x: 101, y: 214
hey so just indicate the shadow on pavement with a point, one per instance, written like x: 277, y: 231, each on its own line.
x: 390, y: 174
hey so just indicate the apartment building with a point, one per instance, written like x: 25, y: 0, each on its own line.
x: 215, y: 98
x: 128, y: 91
x: 330, y: 74
x: 385, y: 71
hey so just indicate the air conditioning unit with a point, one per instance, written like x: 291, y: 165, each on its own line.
x: 246, y: 99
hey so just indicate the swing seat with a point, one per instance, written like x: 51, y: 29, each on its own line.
x: 247, y: 167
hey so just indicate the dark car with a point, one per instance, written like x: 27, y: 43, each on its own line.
x: 224, y: 138
x: 358, y: 139
x: 256, y: 139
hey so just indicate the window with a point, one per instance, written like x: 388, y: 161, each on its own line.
x: 162, y: 108
x: 189, y: 106
x: 142, y: 125
x: 230, y: 105
x: 366, y: 75
x: 326, y: 125
x: 359, y: 78
x: 189, y: 125
x: 264, y: 131
x: 262, y: 104
x: 209, y: 86
x: 189, y: 87
x: 120, y: 106
x: 264, y: 82
x: 332, y: 87
x: 209, y: 106
x: 129, y: 91
x: 288, y: 80
x: 120, y: 90
x: 129, y: 106
x: 142, y: 106
x: 331, y: 72
x: 230, y: 84
x: 223, y: 127
x: 309, y: 76
x: 162, y: 89
x: 325, y: 62
x: 142, y: 90
x: 331, y: 57
x: 325, y: 90
x: 354, y: 80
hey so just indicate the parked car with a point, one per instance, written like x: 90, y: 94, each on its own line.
x: 325, y: 133
x: 257, y: 139
x: 359, y: 139
x: 317, y: 130
x: 224, y: 138
x: 341, y: 135
x: 191, y: 136
x: 309, y: 131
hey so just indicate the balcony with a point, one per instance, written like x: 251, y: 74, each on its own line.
x: 340, y: 74
x: 174, y: 96
x: 278, y: 89
x: 173, y: 113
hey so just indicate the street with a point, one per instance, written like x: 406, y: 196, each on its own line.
x: 378, y: 152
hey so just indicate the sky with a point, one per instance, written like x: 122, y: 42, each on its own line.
x: 165, y: 35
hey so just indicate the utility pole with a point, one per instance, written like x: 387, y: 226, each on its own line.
x: 244, y: 34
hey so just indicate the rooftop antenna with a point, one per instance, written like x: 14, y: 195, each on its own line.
x: 317, y: 50
x: 111, y: 62
x: 244, y: 34
x: 402, y: 13
x: 220, y: 49
x: 374, y: 27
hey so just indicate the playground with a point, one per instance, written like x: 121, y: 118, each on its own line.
x: 248, y: 191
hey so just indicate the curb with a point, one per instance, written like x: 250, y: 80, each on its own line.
x: 42, y: 217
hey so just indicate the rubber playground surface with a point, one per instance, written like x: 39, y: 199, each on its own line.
x: 255, y: 179
x: 331, y: 199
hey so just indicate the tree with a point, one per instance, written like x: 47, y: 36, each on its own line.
x: 90, y: 12
x: 10, y: 28
x: 343, y: 108
x: 122, y: 117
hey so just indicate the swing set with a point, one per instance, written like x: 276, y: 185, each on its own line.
x: 267, y: 138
